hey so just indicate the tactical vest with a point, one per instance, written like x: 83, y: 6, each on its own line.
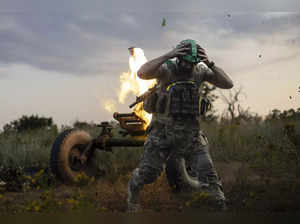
x: 175, y: 99
x: 184, y: 99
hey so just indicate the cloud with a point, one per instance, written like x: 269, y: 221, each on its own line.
x: 91, y: 39
x: 30, y: 90
x: 59, y: 44
x: 145, y: 5
x: 129, y: 20
x: 65, y: 57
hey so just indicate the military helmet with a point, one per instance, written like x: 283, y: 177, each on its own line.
x: 192, y: 55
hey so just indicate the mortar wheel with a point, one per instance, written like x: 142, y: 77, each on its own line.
x: 66, y: 149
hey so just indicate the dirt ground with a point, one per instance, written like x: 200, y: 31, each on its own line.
x: 245, y: 191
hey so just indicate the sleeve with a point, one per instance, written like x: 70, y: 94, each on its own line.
x: 202, y: 72
x: 162, y: 71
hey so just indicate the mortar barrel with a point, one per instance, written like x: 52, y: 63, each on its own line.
x: 118, y: 142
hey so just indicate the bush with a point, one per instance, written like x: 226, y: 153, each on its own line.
x: 27, y: 149
x: 26, y: 123
x: 268, y: 146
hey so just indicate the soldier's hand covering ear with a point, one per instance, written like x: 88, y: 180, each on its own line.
x: 202, y: 54
x: 179, y: 51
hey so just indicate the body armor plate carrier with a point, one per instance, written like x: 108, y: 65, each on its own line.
x: 184, y: 99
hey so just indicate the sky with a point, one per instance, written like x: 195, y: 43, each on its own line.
x: 63, y: 58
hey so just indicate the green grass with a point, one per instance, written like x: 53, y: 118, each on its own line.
x: 263, y: 145
x: 26, y: 149
x: 264, y: 148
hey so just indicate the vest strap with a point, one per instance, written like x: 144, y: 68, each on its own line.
x: 178, y: 83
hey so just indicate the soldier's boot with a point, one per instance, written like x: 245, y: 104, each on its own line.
x: 133, y: 195
x: 221, y: 205
x: 220, y: 200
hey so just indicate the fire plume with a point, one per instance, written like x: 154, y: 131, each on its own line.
x: 132, y: 84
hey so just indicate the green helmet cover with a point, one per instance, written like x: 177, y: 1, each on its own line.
x: 192, y: 55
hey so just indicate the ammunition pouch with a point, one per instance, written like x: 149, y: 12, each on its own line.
x: 150, y: 102
x: 156, y: 102
x: 162, y: 102
x: 204, y: 106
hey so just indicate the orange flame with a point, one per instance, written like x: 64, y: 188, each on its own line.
x: 131, y: 83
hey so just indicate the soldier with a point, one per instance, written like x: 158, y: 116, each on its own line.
x: 174, y: 130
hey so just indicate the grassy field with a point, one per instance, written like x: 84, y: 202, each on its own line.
x: 259, y: 163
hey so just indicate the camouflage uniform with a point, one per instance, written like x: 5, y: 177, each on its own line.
x: 168, y: 137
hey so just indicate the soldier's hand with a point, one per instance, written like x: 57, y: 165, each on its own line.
x: 179, y: 51
x: 202, y: 54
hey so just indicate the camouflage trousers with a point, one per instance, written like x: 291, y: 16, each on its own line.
x: 166, y: 141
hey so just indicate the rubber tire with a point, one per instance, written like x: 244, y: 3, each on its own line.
x: 59, y: 159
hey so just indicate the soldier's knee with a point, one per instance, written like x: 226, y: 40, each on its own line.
x: 149, y: 174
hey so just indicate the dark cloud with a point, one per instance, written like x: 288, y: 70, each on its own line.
x: 63, y: 43
x: 146, y: 5
x: 79, y: 38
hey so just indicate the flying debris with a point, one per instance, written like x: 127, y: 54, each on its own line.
x: 164, y: 22
x: 290, y: 97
